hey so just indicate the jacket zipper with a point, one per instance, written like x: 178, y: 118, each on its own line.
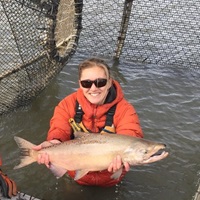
x: 93, y: 119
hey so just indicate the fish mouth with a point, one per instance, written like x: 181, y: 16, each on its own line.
x: 156, y: 156
x: 158, y: 153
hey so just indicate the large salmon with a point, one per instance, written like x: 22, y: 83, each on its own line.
x: 93, y: 152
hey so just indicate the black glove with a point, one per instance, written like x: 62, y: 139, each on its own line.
x: 8, y: 186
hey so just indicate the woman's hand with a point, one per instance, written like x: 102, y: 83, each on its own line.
x: 43, y: 158
x: 117, y: 164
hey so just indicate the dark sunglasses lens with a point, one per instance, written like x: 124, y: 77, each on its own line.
x: 100, y: 82
x: 86, y: 84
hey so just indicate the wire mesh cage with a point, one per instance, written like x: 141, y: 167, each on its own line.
x: 39, y: 36
x: 165, y: 32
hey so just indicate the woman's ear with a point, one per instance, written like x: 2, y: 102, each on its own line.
x: 79, y: 82
x: 110, y: 80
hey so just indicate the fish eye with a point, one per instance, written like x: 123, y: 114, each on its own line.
x: 144, y: 151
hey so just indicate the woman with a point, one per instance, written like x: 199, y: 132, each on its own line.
x: 98, y: 93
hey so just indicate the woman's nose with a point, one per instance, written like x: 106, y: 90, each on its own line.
x: 93, y: 86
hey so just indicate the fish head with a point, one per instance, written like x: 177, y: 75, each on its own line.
x: 145, y: 152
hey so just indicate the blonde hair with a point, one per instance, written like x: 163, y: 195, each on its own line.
x: 94, y: 62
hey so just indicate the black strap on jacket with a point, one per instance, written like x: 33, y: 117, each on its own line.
x: 109, y: 116
x: 79, y: 113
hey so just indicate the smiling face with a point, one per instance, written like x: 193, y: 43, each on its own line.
x: 95, y: 95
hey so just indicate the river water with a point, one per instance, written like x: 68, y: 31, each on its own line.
x: 167, y: 100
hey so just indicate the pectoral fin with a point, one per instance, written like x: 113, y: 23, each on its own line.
x: 80, y: 174
x: 117, y: 174
x: 57, y: 171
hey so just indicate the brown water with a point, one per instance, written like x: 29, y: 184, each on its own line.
x: 167, y: 100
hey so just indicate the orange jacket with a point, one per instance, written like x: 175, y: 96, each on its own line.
x: 125, y: 121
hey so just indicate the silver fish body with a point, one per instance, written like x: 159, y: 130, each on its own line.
x: 93, y: 152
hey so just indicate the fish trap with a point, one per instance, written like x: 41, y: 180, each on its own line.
x: 37, y: 38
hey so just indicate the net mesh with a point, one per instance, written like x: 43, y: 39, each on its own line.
x: 158, y: 31
x: 38, y: 37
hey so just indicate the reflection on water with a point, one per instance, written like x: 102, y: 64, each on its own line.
x: 168, y: 103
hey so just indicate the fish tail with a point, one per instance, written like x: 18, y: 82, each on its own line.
x: 26, y: 149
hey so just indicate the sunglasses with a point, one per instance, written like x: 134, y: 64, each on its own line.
x: 100, y: 82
